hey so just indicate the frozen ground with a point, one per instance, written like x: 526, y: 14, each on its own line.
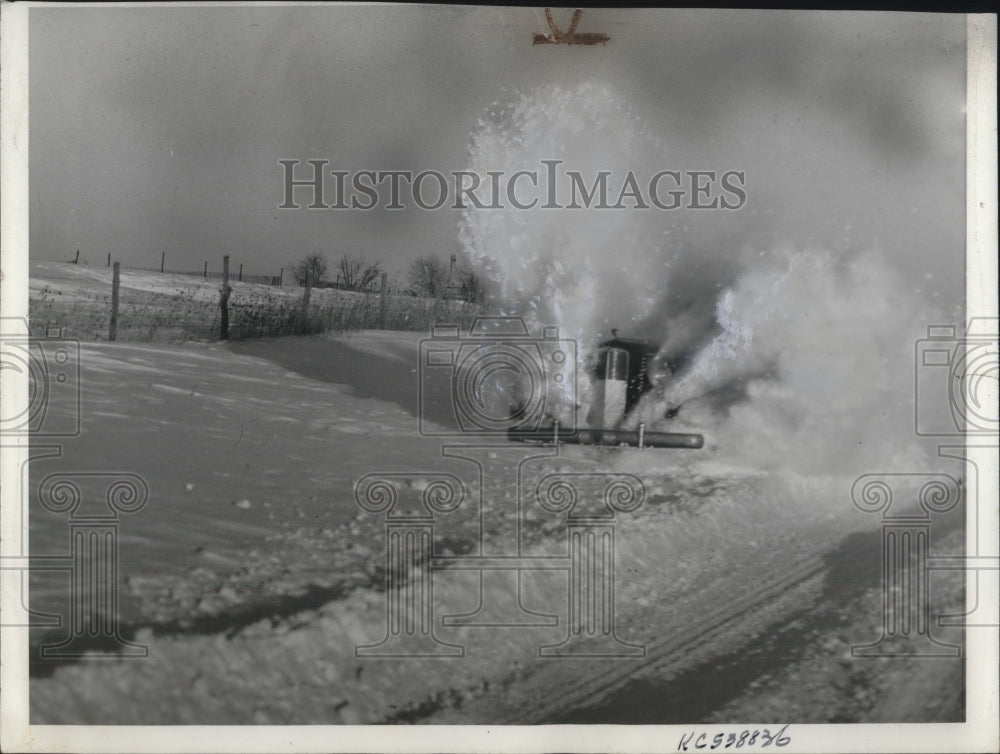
x: 251, y: 574
x: 81, y: 281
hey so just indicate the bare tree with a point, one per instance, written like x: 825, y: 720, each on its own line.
x: 356, y: 274
x: 471, y: 288
x: 311, y: 267
x: 428, y: 276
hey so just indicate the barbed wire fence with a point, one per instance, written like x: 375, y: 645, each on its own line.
x: 182, y: 306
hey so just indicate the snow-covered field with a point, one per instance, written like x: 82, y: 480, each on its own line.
x: 252, y: 574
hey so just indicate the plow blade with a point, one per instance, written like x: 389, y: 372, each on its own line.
x: 614, y: 437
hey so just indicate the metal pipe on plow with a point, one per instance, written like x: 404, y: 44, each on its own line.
x: 614, y: 437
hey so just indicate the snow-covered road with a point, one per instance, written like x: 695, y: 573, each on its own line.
x: 252, y: 574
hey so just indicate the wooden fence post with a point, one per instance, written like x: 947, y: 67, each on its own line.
x: 240, y: 279
x: 281, y: 277
x: 224, y: 298
x: 109, y: 259
x: 383, y: 296
x: 308, y: 292
x: 205, y: 274
x: 76, y: 259
x: 115, y: 283
x: 163, y: 259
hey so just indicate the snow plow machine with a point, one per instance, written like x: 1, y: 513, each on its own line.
x: 620, y: 378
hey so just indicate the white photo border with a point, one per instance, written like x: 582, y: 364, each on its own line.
x: 980, y: 732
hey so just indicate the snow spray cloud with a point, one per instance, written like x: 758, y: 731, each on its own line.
x: 555, y: 264
x: 783, y: 356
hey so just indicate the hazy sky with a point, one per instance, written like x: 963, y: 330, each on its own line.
x: 160, y: 129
